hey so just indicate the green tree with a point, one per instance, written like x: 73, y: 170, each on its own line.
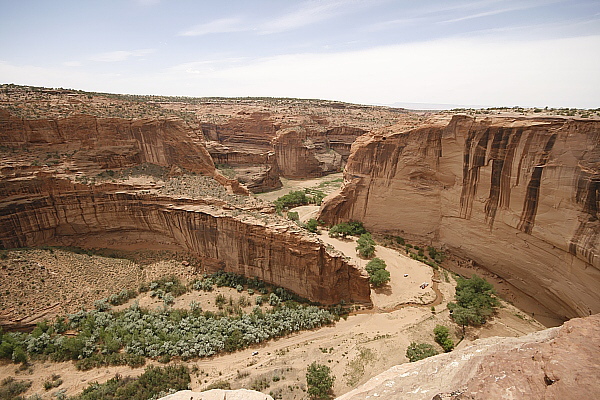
x: 312, y: 225
x: 475, y: 301
x: 419, y: 351
x: 319, y: 381
x: 293, y: 215
x: 365, y: 245
x: 374, y: 265
x: 441, y: 335
x: 340, y: 230
x: 379, y: 277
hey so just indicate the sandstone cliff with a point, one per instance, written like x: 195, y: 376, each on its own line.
x: 261, y: 148
x: 519, y: 196
x: 557, y: 363
x: 97, y: 144
x: 43, y: 211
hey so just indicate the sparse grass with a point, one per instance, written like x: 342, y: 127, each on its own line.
x: 355, y: 369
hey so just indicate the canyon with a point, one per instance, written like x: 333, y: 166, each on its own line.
x: 518, y: 196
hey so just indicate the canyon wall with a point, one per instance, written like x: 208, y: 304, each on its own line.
x: 60, y: 213
x: 261, y: 147
x: 96, y: 144
x: 519, y: 196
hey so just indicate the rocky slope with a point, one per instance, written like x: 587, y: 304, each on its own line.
x: 519, y: 196
x: 47, y: 211
x: 557, y: 363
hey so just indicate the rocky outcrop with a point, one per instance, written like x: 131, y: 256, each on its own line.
x: 97, y: 144
x: 49, y: 212
x: 519, y: 196
x: 557, y: 363
x: 218, y: 394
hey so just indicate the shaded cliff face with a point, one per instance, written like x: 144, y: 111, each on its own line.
x: 557, y: 363
x: 57, y: 212
x: 110, y: 143
x: 518, y: 196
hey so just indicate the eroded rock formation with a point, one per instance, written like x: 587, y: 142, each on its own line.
x: 44, y: 211
x: 260, y: 149
x: 519, y: 196
x: 557, y: 363
x: 98, y: 144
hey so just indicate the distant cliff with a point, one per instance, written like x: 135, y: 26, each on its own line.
x: 520, y: 196
x: 98, y: 144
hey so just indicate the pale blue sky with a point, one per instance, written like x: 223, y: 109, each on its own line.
x: 485, y: 53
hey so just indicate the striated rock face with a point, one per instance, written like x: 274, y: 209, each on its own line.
x: 260, y: 149
x: 112, y: 143
x: 519, y: 196
x: 557, y: 363
x: 61, y: 213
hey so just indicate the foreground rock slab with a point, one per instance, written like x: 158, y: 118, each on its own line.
x: 218, y: 394
x: 557, y: 363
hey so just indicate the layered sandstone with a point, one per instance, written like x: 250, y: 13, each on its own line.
x: 557, y: 363
x: 95, y: 144
x: 44, y: 211
x: 519, y: 196
x: 260, y: 147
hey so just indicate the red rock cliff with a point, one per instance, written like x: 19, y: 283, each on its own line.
x: 58, y: 212
x: 111, y: 143
x: 520, y: 196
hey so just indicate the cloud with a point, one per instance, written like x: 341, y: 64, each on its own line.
x: 120, y: 55
x: 461, y: 71
x: 72, y: 64
x: 554, y: 72
x: 223, y: 25
x: 308, y: 13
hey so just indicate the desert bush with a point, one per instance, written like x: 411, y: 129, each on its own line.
x: 419, y: 351
x: 441, y: 337
x: 312, y: 225
x: 10, y: 388
x: 319, y: 381
x: 293, y: 215
x: 153, y: 381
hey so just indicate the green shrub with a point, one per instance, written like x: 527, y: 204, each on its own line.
x: 312, y: 225
x: 293, y: 215
x: 290, y: 200
x: 152, y: 382
x: 366, y: 245
x: 319, y: 381
x: 352, y: 228
x: 441, y: 333
x: 10, y: 388
x: 419, y: 351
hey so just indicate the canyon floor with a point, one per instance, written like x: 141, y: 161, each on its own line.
x: 366, y: 343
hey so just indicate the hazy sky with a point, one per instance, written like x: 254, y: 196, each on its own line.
x: 482, y: 53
